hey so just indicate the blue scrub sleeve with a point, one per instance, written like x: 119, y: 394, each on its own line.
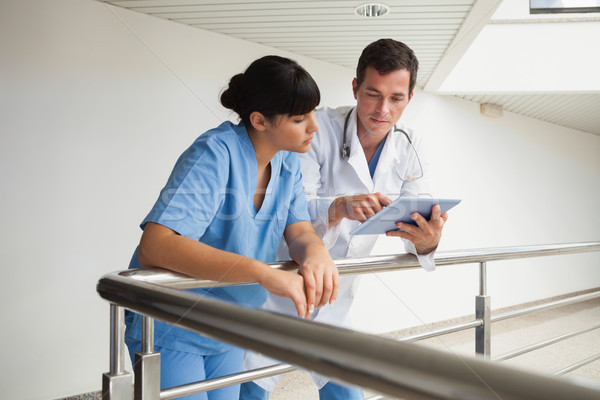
x: 298, y: 210
x: 192, y: 196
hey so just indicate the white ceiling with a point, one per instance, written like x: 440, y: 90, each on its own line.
x: 485, y: 51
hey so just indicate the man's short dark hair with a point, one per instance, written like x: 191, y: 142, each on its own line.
x: 387, y: 55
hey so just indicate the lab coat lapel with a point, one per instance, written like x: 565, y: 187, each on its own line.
x: 389, y: 156
x: 357, y: 159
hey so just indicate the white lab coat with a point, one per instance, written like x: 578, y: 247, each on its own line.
x: 326, y: 176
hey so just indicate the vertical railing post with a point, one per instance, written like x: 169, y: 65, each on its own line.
x: 482, y: 311
x: 147, y: 365
x: 117, y: 384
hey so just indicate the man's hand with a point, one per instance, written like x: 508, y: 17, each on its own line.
x: 427, y: 234
x: 359, y: 207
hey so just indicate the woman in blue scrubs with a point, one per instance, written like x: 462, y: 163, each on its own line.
x: 230, y: 198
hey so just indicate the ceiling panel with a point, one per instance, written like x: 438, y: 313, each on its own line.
x: 327, y: 30
x: 330, y: 31
x: 577, y: 111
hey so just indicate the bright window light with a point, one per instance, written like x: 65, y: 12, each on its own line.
x: 563, y: 6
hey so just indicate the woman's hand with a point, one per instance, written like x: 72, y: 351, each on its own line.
x: 286, y: 284
x: 321, y: 277
x: 321, y: 280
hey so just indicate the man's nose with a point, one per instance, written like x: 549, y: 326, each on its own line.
x: 383, y: 107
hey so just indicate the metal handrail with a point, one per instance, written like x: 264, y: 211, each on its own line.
x: 384, y: 365
x: 545, y: 306
x: 217, y: 383
x: 545, y: 343
x: 442, y: 331
x: 158, y: 280
x: 377, y: 264
x: 462, y: 326
x: 580, y: 364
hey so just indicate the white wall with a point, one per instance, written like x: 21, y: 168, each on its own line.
x: 523, y: 182
x: 97, y: 102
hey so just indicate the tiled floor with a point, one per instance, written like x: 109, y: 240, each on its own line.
x: 85, y: 396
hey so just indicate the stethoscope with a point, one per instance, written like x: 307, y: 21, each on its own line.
x: 345, y: 149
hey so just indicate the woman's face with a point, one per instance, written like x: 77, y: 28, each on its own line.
x: 292, y: 132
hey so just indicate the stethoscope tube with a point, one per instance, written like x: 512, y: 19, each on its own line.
x: 345, y: 149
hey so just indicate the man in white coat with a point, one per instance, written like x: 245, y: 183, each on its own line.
x: 360, y: 160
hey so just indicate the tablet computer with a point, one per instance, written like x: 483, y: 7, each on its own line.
x: 400, y: 210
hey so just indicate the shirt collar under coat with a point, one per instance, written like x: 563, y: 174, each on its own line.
x: 358, y: 161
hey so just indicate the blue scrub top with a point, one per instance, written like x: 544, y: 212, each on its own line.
x: 209, y: 197
x: 375, y: 159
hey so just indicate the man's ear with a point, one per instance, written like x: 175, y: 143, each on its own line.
x: 354, y: 87
x: 258, y: 121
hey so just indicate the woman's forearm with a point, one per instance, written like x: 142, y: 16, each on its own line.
x: 162, y: 247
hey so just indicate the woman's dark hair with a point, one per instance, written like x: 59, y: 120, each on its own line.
x: 271, y: 85
x: 387, y: 55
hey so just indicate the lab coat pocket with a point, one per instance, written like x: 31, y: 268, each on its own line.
x: 403, y: 172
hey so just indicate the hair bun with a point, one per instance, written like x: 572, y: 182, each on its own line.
x: 271, y: 85
x: 232, y: 97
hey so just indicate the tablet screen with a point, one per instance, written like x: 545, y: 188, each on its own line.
x: 400, y: 210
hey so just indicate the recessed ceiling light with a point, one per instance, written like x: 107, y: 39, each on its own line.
x: 491, y: 110
x: 371, y: 10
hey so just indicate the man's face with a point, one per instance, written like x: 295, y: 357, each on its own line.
x: 381, y: 100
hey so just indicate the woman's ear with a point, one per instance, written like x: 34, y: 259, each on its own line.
x: 258, y: 121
